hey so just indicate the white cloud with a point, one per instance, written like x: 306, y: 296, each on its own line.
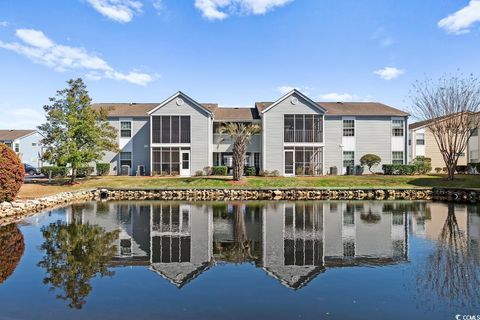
x: 3, y: 23
x: 286, y: 89
x: 389, y: 73
x: 334, y: 96
x: 39, y: 48
x: 460, y: 21
x: 34, y: 38
x: 381, y: 36
x: 20, y: 118
x: 117, y: 10
x: 158, y: 5
x: 222, y: 9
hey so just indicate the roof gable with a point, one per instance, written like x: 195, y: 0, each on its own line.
x: 294, y: 91
x: 182, y: 95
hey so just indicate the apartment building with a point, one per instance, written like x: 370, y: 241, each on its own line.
x: 422, y: 144
x: 179, y: 136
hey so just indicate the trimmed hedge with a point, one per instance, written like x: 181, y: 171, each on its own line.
x: 422, y: 165
x: 219, y: 171
x: 250, y: 171
x: 399, y: 169
x: 474, y: 166
x: 462, y: 169
x: 84, y: 171
x: 103, y: 169
x: 12, y: 173
x: 56, y: 171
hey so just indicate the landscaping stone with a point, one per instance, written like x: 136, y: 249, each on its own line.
x: 16, y: 210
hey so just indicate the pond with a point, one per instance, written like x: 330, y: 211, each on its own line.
x: 239, y: 260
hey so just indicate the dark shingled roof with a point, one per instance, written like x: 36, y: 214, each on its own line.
x: 126, y: 109
x: 14, y: 134
x: 350, y: 109
x: 236, y: 114
x: 420, y: 124
x: 142, y: 109
x: 229, y: 114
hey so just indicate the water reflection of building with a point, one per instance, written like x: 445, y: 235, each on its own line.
x: 181, y: 241
x: 429, y: 220
x: 293, y: 242
x: 301, y: 240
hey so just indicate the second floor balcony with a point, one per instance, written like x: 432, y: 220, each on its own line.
x: 307, y: 136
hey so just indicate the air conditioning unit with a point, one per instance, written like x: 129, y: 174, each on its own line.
x: 125, y: 170
x: 140, y: 170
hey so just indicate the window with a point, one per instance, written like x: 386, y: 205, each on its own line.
x: 397, y: 128
x: 171, y: 129
x: 397, y: 157
x: 348, y: 158
x: 303, y: 161
x: 125, y: 129
x: 474, y: 132
x: 166, y: 161
x: 420, y: 141
x: 17, y: 147
x: 126, y: 159
x: 256, y: 160
x: 34, y: 144
x: 349, y: 128
x: 302, y: 128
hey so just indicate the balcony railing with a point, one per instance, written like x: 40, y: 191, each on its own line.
x: 226, y: 139
x: 310, y: 136
x: 182, y: 137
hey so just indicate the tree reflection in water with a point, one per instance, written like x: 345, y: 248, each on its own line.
x: 242, y: 249
x: 12, y: 247
x: 451, y: 271
x: 74, y: 254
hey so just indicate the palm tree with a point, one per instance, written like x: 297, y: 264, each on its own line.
x: 242, y: 135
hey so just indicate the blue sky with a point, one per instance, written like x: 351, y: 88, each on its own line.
x: 231, y: 52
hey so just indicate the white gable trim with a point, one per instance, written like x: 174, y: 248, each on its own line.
x: 184, y: 96
x: 310, y: 101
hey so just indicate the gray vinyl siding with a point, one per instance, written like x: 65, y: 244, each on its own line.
x: 333, y: 139
x: 273, y: 126
x: 140, y: 138
x: 199, y: 126
x: 141, y: 144
x: 29, y: 153
x: 109, y: 156
x: 374, y: 135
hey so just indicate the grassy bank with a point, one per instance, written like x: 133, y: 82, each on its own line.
x: 38, y: 188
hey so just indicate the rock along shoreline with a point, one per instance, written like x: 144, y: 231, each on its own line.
x: 13, y: 211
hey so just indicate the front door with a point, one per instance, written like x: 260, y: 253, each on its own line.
x: 289, y: 163
x: 185, y: 163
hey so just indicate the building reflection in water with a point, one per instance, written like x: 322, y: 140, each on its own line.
x: 292, y: 241
x: 451, y: 269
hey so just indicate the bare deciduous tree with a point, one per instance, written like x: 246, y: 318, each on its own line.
x: 450, y: 108
x: 451, y: 270
x: 241, y: 135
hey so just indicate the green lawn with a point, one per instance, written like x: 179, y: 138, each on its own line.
x: 42, y: 187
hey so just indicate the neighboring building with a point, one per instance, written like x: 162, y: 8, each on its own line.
x: 422, y: 144
x: 25, y: 143
x: 474, y: 147
x: 299, y: 136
